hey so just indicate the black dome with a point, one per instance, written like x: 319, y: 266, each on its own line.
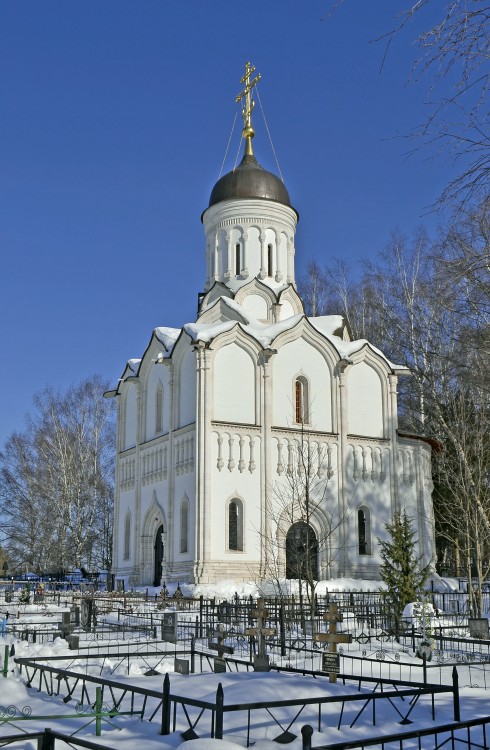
x: 250, y: 180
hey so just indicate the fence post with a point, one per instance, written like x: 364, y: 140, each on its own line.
x: 218, y: 733
x: 165, y: 726
x: 98, y: 710
x: 306, y: 732
x: 5, y: 661
x: 282, y: 630
x: 456, y: 695
x: 193, y: 654
x: 424, y: 668
x: 46, y: 740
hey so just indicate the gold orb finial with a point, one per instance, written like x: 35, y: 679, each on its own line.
x: 248, y: 104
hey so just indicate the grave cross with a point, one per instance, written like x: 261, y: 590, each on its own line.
x: 261, y: 661
x: 332, y: 638
x: 219, y: 634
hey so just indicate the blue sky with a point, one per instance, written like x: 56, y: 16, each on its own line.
x: 114, y: 121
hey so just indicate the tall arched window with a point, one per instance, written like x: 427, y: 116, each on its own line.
x: 127, y: 536
x: 363, y: 531
x: 237, y: 259
x: 235, y: 525
x: 184, y: 526
x: 301, y: 409
x: 159, y: 408
x: 269, y: 261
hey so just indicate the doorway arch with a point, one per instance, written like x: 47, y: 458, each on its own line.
x: 158, y: 556
x: 301, y: 552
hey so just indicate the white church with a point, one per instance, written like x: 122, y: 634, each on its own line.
x: 257, y: 432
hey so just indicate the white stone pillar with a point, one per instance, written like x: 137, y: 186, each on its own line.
x: 216, y: 257
x: 391, y: 432
x: 278, y: 277
x: 263, y: 256
x: 342, y: 468
x: 229, y: 256
x: 244, y: 258
x: 290, y: 261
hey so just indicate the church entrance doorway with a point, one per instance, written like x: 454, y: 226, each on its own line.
x: 301, y: 552
x: 158, y: 557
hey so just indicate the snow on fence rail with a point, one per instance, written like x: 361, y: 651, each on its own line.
x: 149, y: 703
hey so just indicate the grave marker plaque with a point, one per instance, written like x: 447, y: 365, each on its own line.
x: 478, y: 627
x: 219, y: 665
x: 181, y: 666
x: 330, y: 662
x: 169, y: 627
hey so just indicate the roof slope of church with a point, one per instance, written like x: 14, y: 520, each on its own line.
x: 264, y: 333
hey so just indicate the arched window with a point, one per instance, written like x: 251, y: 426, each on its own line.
x: 363, y: 531
x: 127, y: 537
x: 235, y: 525
x: 237, y: 259
x: 184, y: 526
x: 269, y: 261
x: 159, y: 408
x: 301, y: 409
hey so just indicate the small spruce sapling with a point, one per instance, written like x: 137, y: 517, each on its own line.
x: 401, y: 569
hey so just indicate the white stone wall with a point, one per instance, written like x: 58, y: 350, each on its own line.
x: 234, y: 385
x: 365, y: 401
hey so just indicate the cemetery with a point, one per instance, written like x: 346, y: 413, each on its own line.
x: 159, y: 666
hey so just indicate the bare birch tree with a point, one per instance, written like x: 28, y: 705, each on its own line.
x: 298, y: 503
x: 56, y: 481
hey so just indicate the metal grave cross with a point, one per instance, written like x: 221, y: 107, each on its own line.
x: 261, y: 661
x: 218, y: 645
x: 331, y: 658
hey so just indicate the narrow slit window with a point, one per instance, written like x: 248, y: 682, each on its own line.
x: 184, y: 526
x: 301, y: 401
x: 363, y: 531
x: 127, y: 536
x: 235, y: 526
x: 237, y: 259
x: 159, y: 409
x: 269, y: 261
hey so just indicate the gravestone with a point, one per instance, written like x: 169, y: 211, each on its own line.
x: 169, y: 627
x: 181, y: 666
x: 478, y: 627
x: 86, y: 614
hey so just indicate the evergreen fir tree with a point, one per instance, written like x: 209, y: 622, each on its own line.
x: 401, y: 570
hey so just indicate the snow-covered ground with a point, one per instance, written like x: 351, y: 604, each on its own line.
x: 127, y: 733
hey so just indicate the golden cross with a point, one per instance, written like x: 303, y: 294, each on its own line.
x: 248, y: 104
